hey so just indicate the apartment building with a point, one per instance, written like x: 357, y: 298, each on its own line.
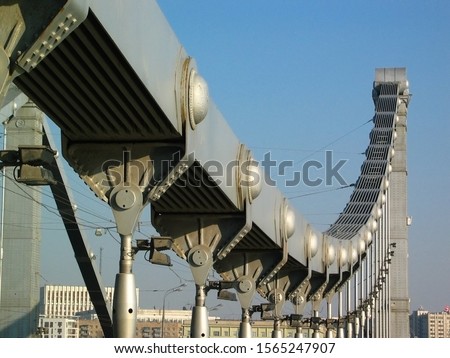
x: 68, y: 301
x: 58, y: 327
x: 439, y: 325
x: 425, y: 324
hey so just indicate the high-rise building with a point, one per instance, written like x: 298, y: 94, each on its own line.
x: 439, y: 325
x: 418, y: 322
x: 20, y: 236
x: 425, y: 324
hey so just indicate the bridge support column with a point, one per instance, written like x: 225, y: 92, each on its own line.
x: 299, y: 332
x: 245, y: 288
x: 277, y: 298
x: 125, y: 300
x: 329, y: 333
x: 126, y: 201
x: 245, y: 329
x: 363, y: 323
x: 315, y: 323
x: 199, y: 321
x: 200, y: 262
x: 300, y: 302
x: 349, y: 314
x: 357, y: 324
x: 276, y: 333
x: 341, y: 322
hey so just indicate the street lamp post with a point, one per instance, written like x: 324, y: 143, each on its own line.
x: 169, y: 291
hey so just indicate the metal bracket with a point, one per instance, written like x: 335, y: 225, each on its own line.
x: 200, y: 261
x: 126, y: 203
x: 154, y: 246
x: 316, y: 297
x: 33, y: 161
x: 240, y: 235
x: 284, y: 234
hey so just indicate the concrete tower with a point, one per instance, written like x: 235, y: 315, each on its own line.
x: 398, y: 215
x: 20, y: 234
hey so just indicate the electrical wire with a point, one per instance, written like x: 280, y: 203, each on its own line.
x: 284, y: 149
x: 51, y: 209
x: 54, y: 210
x: 321, y: 191
x: 336, y: 140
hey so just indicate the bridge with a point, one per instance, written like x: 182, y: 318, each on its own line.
x: 140, y: 129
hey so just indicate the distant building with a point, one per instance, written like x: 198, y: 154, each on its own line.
x: 58, y: 327
x: 178, y: 325
x: 418, y: 323
x: 67, y: 312
x: 64, y: 308
x: 439, y: 325
x: 149, y: 325
x: 67, y: 301
x: 219, y: 328
x: 430, y: 325
x: 89, y: 328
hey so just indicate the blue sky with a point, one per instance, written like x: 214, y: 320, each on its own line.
x: 294, y: 78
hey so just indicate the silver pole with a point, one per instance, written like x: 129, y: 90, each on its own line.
x: 381, y: 274
x: 316, y: 332
x: 199, y: 322
x: 377, y: 297
x: 245, y: 329
x: 355, y: 303
x: 349, y: 323
x: 125, y: 300
x: 298, y: 332
x: 276, y: 333
x: 361, y: 297
x: 369, y: 288
x: 388, y: 248
x: 340, y: 333
x: 329, y: 317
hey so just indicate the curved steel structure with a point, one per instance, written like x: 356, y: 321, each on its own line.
x: 139, y: 128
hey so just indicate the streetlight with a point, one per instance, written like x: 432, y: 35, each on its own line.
x: 169, y: 291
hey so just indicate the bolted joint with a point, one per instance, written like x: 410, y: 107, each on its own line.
x: 198, y: 256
